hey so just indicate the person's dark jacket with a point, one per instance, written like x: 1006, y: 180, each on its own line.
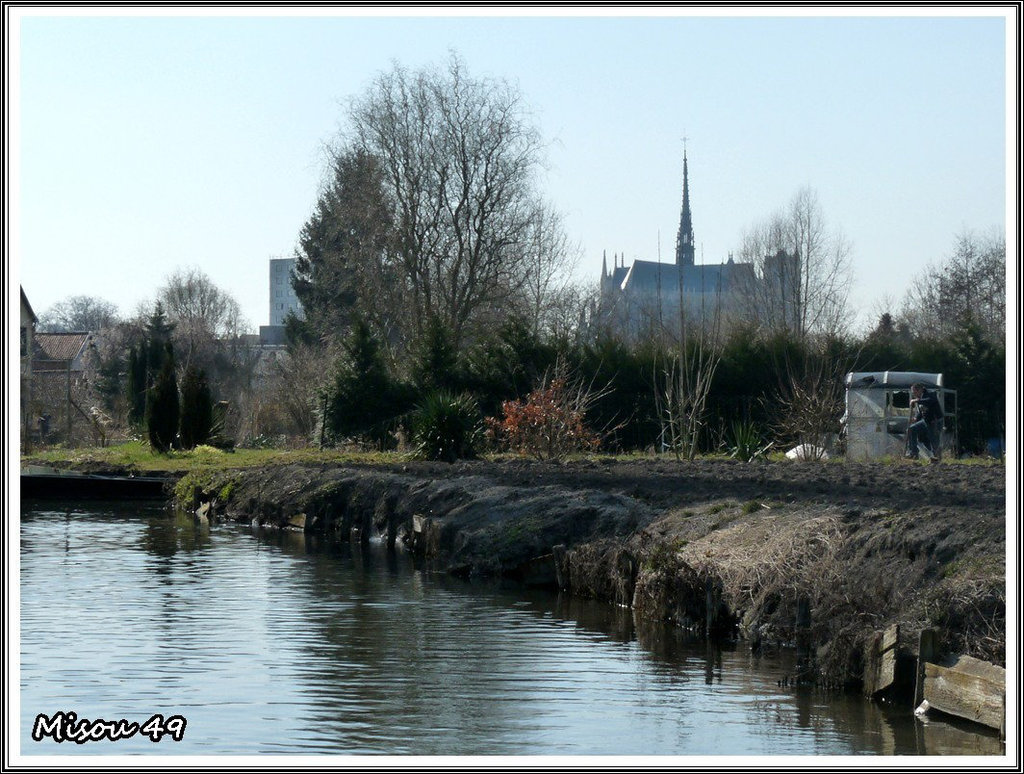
x: 928, y: 407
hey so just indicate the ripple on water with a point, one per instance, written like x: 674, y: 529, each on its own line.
x: 269, y: 647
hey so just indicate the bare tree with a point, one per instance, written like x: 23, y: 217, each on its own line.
x: 970, y: 285
x: 802, y: 270
x: 771, y: 290
x: 811, y: 398
x: 567, y: 313
x: 205, y: 318
x: 689, y: 373
x: 549, y: 260
x: 78, y: 314
x: 298, y: 389
x: 824, y: 266
x: 459, y: 162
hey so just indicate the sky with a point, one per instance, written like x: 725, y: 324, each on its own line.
x: 141, y: 144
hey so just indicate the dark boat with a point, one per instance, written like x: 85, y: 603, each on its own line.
x: 39, y: 483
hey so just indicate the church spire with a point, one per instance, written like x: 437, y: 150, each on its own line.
x: 684, y: 240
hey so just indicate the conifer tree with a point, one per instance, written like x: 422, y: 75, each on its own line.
x: 196, y: 408
x: 162, y: 407
x: 158, y: 337
x: 365, y: 398
x: 436, y: 365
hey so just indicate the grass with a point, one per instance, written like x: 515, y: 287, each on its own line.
x: 975, y: 568
x: 138, y: 455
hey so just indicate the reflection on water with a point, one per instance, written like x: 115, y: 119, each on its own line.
x: 273, y: 643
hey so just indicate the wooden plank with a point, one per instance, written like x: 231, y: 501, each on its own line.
x: 887, y: 669
x: 880, y: 664
x: 891, y: 637
x: 927, y: 648
x: 967, y: 688
x: 872, y: 663
x: 889, y: 649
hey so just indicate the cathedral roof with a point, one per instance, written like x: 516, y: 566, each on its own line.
x: 652, y: 276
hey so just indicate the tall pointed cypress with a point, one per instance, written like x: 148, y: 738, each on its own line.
x: 158, y: 337
x: 162, y: 407
x: 196, y: 408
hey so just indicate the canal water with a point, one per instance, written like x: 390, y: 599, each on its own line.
x: 222, y: 641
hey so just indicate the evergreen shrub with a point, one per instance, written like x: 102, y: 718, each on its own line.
x: 447, y: 426
x: 365, y: 402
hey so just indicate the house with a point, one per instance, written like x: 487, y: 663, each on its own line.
x: 28, y: 330
x: 62, y: 352
x: 61, y: 403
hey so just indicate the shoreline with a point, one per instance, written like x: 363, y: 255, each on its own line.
x: 821, y: 557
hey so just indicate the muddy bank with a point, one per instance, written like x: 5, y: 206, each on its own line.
x: 731, y: 549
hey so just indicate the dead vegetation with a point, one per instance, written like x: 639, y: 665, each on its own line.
x: 857, y: 571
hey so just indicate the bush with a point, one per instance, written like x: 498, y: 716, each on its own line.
x: 549, y: 424
x: 447, y: 427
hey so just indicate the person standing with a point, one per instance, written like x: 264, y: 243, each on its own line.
x: 926, y: 426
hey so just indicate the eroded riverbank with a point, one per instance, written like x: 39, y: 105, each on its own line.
x: 711, y: 545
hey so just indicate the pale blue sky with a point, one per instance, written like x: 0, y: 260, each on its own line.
x: 141, y: 145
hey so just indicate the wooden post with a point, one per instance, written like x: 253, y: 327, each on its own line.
x: 926, y: 652
x: 709, y: 608
x: 890, y: 648
x: 882, y: 661
x: 803, y: 635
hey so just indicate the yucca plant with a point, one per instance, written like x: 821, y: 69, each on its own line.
x: 447, y: 426
x: 748, y: 444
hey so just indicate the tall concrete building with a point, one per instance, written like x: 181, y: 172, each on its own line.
x: 282, y: 301
x: 282, y: 295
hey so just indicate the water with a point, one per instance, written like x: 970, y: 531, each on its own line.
x: 268, y: 643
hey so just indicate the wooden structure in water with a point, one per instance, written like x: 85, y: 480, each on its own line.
x: 46, y: 483
x: 960, y: 686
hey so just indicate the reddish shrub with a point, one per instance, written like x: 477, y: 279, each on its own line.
x: 549, y: 424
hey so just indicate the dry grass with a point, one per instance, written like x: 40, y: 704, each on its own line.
x: 774, y: 555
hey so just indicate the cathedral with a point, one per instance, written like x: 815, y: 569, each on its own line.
x: 647, y: 298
